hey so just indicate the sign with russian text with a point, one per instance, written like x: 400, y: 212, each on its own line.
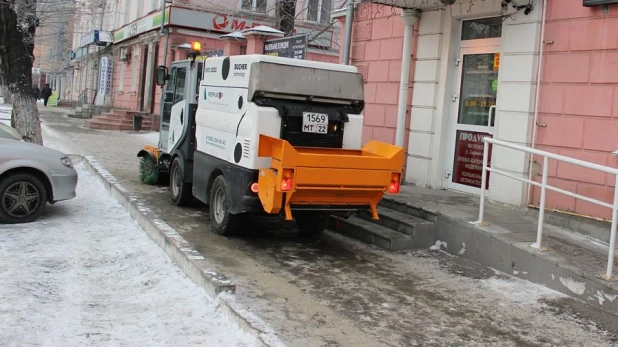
x: 468, y: 166
x: 590, y: 3
x: 288, y: 47
x: 105, y: 78
x: 150, y: 22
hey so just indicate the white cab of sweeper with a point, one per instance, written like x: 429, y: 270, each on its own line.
x: 230, y: 119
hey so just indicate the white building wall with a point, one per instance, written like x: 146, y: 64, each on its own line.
x: 435, y: 81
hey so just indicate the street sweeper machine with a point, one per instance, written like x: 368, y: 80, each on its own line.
x: 270, y: 135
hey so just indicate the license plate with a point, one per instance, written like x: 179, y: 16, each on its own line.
x: 315, y: 123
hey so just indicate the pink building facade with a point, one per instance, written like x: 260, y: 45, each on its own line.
x: 140, y: 48
x: 475, y: 66
x: 579, y: 102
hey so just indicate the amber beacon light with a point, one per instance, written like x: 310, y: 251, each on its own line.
x: 196, y: 46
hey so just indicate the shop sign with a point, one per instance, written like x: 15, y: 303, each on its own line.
x: 101, y: 38
x: 496, y: 61
x: 288, y: 47
x: 153, y: 21
x: 187, y: 18
x: 468, y: 166
x: 105, y: 78
x: 590, y: 3
x: 211, y: 21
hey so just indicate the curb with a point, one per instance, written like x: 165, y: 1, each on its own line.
x: 189, y: 260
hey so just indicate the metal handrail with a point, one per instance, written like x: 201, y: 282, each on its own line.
x: 83, y: 96
x: 544, y: 186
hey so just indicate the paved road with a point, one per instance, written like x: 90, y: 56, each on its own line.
x: 333, y: 291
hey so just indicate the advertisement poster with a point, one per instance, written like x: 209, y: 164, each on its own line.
x: 53, y: 99
x: 288, y: 47
x: 468, y: 166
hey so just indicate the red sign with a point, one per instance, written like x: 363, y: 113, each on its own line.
x: 468, y: 165
x: 221, y: 22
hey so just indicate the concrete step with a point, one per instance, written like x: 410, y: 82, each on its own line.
x: 128, y: 118
x: 117, y: 122
x: 126, y: 112
x: 111, y: 123
x: 372, y: 233
x: 409, y: 208
x: 403, y: 223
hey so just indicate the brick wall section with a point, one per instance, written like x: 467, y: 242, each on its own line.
x: 579, y: 102
x: 377, y: 43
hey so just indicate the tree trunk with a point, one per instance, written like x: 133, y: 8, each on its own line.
x: 16, y: 58
x: 286, y: 13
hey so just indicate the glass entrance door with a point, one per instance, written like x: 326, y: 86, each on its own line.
x: 475, y: 116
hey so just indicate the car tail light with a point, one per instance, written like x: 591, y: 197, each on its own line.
x: 255, y: 187
x: 286, y: 180
x: 393, y: 187
x: 286, y: 184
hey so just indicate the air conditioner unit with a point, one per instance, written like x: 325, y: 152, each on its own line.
x: 125, y: 54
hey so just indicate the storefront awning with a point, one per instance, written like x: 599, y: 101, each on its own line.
x: 423, y: 5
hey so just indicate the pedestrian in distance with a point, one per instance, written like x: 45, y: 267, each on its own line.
x: 46, y: 93
x: 37, y: 92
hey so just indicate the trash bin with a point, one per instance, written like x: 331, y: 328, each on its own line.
x: 137, y: 122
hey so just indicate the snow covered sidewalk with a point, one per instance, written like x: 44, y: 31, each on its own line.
x: 86, y: 274
x: 5, y: 113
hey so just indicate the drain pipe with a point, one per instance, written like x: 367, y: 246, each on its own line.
x: 165, y: 32
x: 536, y: 100
x: 409, y: 17
x: 349, y: 18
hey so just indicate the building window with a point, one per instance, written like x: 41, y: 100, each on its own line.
x: 139, y: 9
x: 127, y: 11
x: 254, y: 5
x: 486, y: 28
x: 319, y: 11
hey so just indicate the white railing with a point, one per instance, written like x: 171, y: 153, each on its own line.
x: 544, y: 187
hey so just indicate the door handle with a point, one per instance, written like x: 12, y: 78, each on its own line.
x: 181, y: 116
x: 492, y: 112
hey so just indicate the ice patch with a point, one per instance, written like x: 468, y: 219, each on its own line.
x: 438, y: 245
x: 520, y: 291
x: 604, y: 296
x: 576, y: 287
x: 600, y: 296
x: 463, y: 249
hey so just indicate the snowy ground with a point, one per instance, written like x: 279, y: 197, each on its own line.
x: 333, y: 291
x: 5, y: 113
x: 86, y: 274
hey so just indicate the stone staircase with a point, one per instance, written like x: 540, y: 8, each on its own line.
x: 400, y: 227
x: 118, y: 120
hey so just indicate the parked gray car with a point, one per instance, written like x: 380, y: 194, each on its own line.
x: 30, y: 176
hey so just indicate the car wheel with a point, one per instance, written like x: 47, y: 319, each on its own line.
x: 148, y: 172
x: 22, y: 198
x: 222, y: 221
x: 181, y: 191
x: 311, y: 223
